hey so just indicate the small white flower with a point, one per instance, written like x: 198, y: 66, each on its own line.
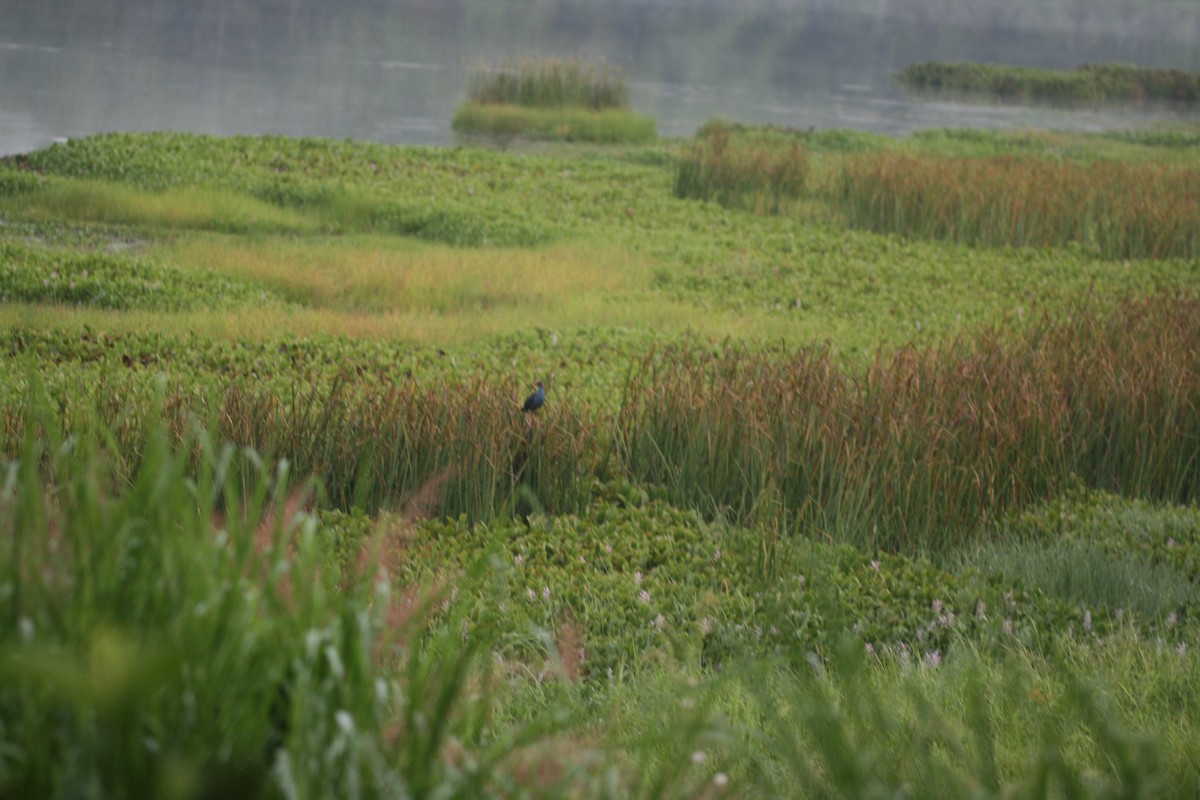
x: 720, y: 779
x: 637, y: 578
x: 659, y: 622
x: 644, y: 597
x: 875, y: 564
x: 1172, y: 618
x: 546, y: 593
x: 698, y: 757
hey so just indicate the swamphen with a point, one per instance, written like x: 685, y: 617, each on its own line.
x: 537, y: 399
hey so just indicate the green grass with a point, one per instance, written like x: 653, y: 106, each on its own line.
x: 1088, y: 83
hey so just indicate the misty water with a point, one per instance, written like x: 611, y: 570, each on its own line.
x: 395, y: 70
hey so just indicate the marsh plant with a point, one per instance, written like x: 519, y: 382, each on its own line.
x: 741, y: 173
x: 1085, y: 84
x: 928, y: 445
x: 1118, y: 210
x: 569, y: 100
x: 551, y: 83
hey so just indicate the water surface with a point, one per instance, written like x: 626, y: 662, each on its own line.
x: 395, y: 70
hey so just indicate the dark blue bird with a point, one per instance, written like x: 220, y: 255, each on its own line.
x: 537, y: 399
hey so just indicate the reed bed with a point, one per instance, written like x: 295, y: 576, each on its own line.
x: 916, y: 454
x: 454, y: 449
x: 1119, y: 210
x: 551, y: 83
x: 443, y: 449
x: 737, y: 172
x: 927, y: 447
x: 1090, y: 82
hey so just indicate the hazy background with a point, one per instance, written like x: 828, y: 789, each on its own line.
x: 395, y: 70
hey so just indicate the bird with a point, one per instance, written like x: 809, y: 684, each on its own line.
x: 536, y: 400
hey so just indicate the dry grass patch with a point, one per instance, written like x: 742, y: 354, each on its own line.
x: 377, y: 275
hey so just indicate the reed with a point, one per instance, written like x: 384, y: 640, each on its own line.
x: 927, y: 447
x: 550, y: 83
x: 742, y: 173
x: 916, y: 454
x: 1088, y: 83
x: 468, y: 443
x: 1118, y: 210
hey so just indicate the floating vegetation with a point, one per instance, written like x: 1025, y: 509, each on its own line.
x: 1086, y: 84
x: 564, y: 100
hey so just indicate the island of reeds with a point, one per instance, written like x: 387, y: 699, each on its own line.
x: 867, y: 467
x: 1090, y: 83
x: 552, y: 99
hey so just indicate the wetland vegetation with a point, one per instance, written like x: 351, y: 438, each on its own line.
x: 1090, y: 83
x: 571, y: 101
x: 868, y: 467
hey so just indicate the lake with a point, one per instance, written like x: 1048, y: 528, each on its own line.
x: 395, y: 70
